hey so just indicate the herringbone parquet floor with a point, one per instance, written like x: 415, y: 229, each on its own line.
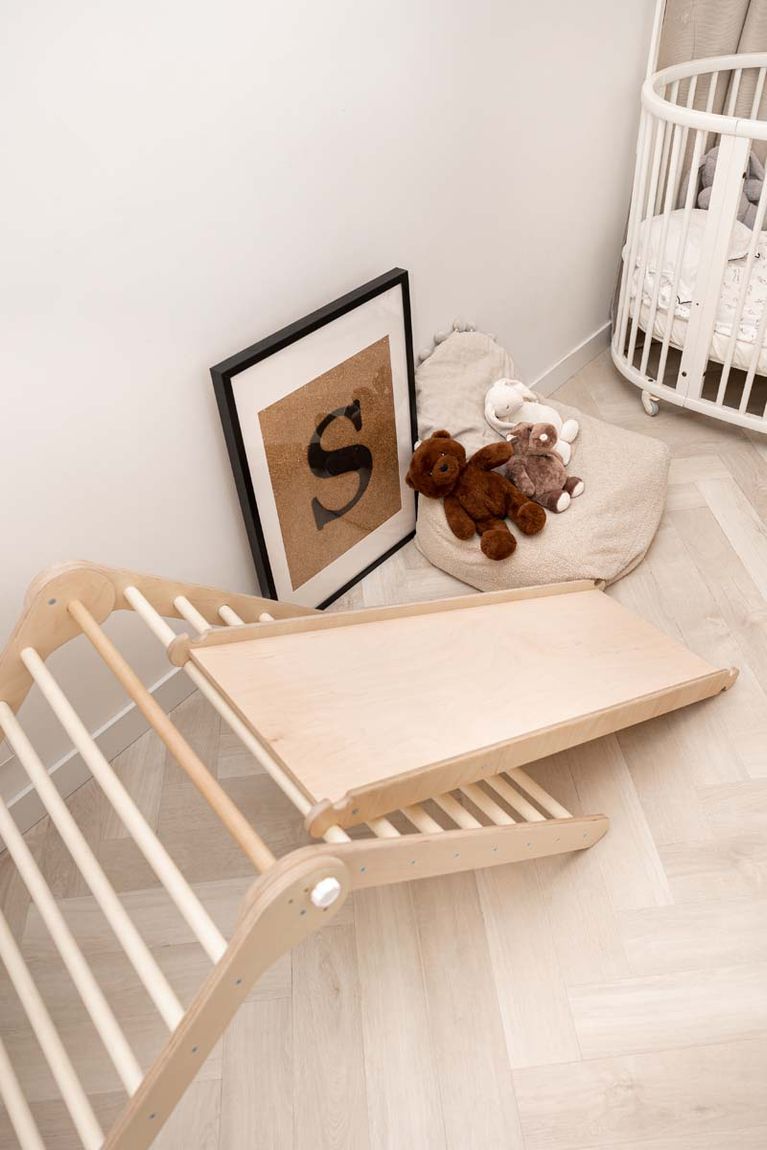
x: 613, y: 999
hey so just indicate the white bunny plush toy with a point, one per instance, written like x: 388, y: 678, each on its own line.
x: 509, y: 401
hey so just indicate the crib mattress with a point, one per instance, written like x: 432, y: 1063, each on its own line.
x: 720, y: 340
x: 663, y: 264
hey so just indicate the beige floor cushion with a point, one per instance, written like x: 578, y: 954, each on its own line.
x: 602, y: 535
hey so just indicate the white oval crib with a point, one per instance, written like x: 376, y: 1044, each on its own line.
x: 691, y: 315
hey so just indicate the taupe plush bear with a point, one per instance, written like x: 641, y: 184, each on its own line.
x: 537, y: 470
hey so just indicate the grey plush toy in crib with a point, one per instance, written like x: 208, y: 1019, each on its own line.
x: 752, y: 188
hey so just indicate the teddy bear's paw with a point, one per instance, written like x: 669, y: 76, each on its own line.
x: 530, y: 518
x: 498, y: 543
x: 569, y: 430
x: 577, y: 489
x: 563, y: 502
x: 462, y: 325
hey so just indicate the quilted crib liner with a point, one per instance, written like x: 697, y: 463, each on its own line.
x: 604, y: 533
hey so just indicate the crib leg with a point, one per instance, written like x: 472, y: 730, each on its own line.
x: 650, y: 403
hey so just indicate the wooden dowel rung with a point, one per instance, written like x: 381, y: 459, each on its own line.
x: 536, y: 791
x: 75, y: 1098
x: 114, y: 912
x: 458, y: 813
x: 383, y: 829
x: 189, y: 612
x: 249, y: 841
x: 190, y: 907
x: 146, y: 612
x: 17, y: 1106
x: 515, y: 800
x: 90, y: 992
x: 229, y: 616
x: 487, y: 805
x: 336, y: 835
x: 422, y: 820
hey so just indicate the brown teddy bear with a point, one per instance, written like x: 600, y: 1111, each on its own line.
x: 476, y: 498
x: 538, y: 470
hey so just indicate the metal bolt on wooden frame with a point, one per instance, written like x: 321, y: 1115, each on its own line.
x: 451, y: 739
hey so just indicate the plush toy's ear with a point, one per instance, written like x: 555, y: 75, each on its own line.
x: 409, y: 481
x: 440, y: 435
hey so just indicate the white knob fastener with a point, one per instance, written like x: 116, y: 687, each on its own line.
x: 325, y: 892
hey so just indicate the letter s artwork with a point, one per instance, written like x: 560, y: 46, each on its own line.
x: 326, y: 464
x: 331, y: 448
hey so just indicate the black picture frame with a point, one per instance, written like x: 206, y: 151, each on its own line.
x: 222, y: 375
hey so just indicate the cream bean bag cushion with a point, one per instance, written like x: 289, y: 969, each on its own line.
x: 602, y: 535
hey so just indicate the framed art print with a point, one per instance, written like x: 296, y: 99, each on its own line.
x: 319, y: 421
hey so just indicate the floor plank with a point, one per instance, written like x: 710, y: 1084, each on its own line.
x: 611, y: 1102
x: 475, y: 1081
x: 690, y: 1008
x: 329, y: 1062
x: 257, y: 1065
x: 402, y: 1082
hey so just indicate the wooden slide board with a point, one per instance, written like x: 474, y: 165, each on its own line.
x: 371, y: 710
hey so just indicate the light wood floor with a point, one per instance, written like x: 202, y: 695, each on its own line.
x: 617, y: 998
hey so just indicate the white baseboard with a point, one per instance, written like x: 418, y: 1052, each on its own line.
x: 560, y: 372
x: 70, y: 772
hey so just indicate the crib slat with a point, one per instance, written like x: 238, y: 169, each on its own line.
x: 198, y: 919
x: 251, y: 843
x: 673, y: 184
x: 685, y: 135
x: 712, y: 86
x: 634, y: 224
x: 692, y: 184
x: 660, y: 132
x: 661, y: 257
x: 75, y: 1098
x: 758, y: 93
x: 742, y: 293
x: 663, y: 182
x: 734, y: 89
x: 758, y: 346
x: 15, y: 1103
x: 90, y: 992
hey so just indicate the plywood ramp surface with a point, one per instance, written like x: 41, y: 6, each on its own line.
x: 353, y: 703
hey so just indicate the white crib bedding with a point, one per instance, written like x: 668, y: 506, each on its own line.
x: 756, y: 295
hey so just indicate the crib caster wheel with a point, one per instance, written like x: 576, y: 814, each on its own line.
x: 650, y: 403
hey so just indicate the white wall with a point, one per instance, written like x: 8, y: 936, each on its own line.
x: 181, y: 178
